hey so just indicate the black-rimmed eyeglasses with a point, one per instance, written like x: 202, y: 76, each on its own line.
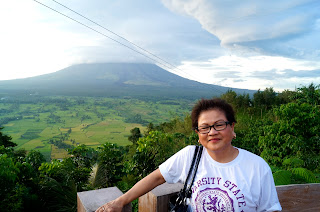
x: 218, y: 126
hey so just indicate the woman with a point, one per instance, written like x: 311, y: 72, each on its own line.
x: 228, y: 178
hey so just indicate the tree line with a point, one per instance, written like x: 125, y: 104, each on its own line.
x: 283, y: 128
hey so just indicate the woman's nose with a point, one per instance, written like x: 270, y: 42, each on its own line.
x: 212, y: 131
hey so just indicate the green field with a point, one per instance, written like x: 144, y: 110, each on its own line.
x: 42, y: 122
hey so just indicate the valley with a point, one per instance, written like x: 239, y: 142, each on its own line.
x: 52, y: 124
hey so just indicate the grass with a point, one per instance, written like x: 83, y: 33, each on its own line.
x: 93, y: 121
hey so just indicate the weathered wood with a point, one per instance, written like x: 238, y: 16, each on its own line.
x: 89, y: 201
x: 300, y: 197
x: 158, y: 198
x: 147, y: 202
x: 293, y: 198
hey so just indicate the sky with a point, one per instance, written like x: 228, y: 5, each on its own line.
x: 247, y: 44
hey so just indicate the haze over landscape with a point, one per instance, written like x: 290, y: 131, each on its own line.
x: 248, y: 45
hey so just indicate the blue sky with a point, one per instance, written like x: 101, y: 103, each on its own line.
x: 241, y: 44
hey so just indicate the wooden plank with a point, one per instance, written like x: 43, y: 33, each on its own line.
x: 300, y: 197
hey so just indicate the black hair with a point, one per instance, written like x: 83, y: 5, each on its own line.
x: 208, y: 104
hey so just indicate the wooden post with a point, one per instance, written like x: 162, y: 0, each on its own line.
x: 157, y: 200
x: 89, y: 201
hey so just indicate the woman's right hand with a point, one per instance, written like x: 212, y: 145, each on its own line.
x: 113, y: 206
x: 140, y: 188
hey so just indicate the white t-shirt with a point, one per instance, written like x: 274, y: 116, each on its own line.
x: 242, y: 185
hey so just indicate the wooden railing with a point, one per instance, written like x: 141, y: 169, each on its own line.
x: 293, y: 198
x: 300, y: 197
x: 89, y: 201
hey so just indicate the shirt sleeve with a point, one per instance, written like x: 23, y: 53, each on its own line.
x: 269, y: 198
x: 175, y: 169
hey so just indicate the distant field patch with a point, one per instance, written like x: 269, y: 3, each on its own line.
x: 50, y: 132
x: 57, y: 153
x: 8, y: 125
x: 31, y: 134
x: 103, y: 123
x: 90, y: 134
x: 79, y: 137
x: 64, y: 129
x: 76, y: 129
x: 33, y: 144
x: 96, y: 144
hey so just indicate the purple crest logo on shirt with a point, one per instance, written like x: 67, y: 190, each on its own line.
x: 213, y: 199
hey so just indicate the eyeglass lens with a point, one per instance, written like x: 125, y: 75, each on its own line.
x: 217, y: 126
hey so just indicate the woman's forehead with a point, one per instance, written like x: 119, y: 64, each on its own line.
x: 211, y: 116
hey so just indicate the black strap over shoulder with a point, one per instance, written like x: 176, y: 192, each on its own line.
x: 191, y: 168
x: 180, y: 204
x: 195, y: 172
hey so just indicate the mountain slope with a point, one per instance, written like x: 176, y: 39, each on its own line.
x: 114, y: 80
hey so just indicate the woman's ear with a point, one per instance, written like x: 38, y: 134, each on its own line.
x: 234, y: 135
x: 196, y: 131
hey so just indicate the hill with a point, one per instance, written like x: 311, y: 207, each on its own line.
x: 114, y: 80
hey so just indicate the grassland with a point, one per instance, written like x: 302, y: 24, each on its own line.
x: 40, y: 122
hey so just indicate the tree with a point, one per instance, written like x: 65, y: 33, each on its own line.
x: 230, y: 96
x: 243, y: 101
x: 258, y: 99
x: 83, y: 156
x: 155, y: 148
x: 286, y: 96
x: 310, y: 94
x: 295, y: 133
x: 270, y: 97
x: 137, y: 118
x: 265, y: 99
x: 293, y: 173
x: 9, y: 177
x: 19, y: 187
x: 6, y: 140
x: 248, y: 132
x: 150, y: 127
x: 58, y: 191
x: 110, y: 168
x: 35, y: 159
x: 135, y: 135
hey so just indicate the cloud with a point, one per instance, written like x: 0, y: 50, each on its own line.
x: 268, y: 43
x: 151, y: 26
x: 268, y: 27
x: 303, y: 74
x: 275, y: 74
x: 254, y: 72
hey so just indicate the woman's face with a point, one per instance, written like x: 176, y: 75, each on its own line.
x: 215, y: 141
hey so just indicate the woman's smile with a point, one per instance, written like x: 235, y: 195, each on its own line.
x: 214, y: 140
